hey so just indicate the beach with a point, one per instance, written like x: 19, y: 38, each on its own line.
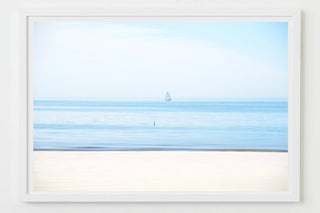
x: 159, y: 171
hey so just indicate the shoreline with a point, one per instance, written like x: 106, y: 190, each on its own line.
x: 164, y: 150
x: 159, y: 171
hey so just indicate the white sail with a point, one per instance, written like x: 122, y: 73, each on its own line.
x: 168, y: 98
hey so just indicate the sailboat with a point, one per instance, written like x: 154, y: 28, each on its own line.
x: 168, y: 98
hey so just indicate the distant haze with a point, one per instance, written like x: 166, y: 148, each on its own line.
x: 136, y: 60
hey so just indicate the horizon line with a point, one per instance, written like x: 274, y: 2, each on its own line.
x: 161, y: 99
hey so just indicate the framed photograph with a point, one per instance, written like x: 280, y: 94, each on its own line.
x: 160, y: 105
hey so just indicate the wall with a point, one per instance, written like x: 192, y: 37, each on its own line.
x: 9, y: 114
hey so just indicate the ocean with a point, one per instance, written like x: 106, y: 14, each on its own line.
x: 160, y: 125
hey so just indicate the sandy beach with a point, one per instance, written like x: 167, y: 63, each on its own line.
x: 160, y: 170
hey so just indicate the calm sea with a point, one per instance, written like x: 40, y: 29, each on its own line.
x: 152, y: 125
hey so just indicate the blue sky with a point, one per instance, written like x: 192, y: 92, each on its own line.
x: 136, y: 60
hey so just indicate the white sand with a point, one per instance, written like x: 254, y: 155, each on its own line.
x: 160, y: 170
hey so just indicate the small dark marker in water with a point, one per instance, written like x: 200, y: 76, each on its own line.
x: 154, y: 123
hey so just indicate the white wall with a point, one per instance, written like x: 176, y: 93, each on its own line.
x: 9, y: 114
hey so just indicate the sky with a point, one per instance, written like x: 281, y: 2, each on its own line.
x: 144, y: 60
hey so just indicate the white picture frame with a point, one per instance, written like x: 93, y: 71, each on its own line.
x: 292, y: 16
